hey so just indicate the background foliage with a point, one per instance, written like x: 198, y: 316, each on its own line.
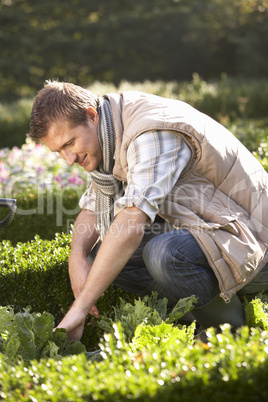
x: 238, y: 103
x: 84, y: 40
x: 44, y: 184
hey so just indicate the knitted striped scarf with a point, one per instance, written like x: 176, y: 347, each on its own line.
x: 108, y: 187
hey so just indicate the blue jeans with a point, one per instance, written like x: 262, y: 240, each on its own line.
x: 172, y: 263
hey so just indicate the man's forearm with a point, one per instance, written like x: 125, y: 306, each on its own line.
x: 84, y: 234
x: 83, y: 239
x: 112, y: 256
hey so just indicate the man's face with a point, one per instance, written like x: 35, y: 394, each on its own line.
x: 76, y: 145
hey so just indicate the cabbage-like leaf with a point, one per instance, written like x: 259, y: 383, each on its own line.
x: 66, y: 347
x: 11, y: 347
x: 164, y: 336
x: 150, y: 310
x: 50, y: 351
x: 24, y: 329
x: 6, y: 318
x: 182, y: 307
x: 43, y: 325
x: 30, y: 336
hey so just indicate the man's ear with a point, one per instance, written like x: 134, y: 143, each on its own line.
x: 92, y: 115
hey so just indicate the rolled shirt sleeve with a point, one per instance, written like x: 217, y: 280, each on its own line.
x: 155, y: 162
x: 88, y: 199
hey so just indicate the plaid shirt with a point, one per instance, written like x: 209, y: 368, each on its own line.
x: 155, y: 162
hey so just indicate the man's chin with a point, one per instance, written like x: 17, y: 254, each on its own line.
x: 89, y: 168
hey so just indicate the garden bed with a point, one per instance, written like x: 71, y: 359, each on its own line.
x: 135, y: 350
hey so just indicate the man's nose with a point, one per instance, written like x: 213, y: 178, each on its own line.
x: 70, y: 157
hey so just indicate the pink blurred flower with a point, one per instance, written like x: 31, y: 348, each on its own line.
x: 4, y: 174
x: 39, y: 149
x: 75, y: 179
x: 57, y: 178
x: 39, y: 169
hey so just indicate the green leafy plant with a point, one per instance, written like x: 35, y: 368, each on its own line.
x: 150, y: 310
x: 29, y: 336
x: 161, y: 363
x: 256, y: 312
x: 35, y: 274
x: 163, y: 335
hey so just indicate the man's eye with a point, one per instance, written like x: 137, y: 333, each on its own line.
x: 69, y: 143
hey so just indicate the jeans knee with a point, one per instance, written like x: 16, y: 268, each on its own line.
x: 154, y: 254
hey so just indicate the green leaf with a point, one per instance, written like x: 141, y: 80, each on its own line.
x: 6, y: 318
x: 66, y: 347
x: 43, y: 325
x: 150, y: 310
x: 50, y: 351
x: 24, y: 326
x: 73, y: 348
x: 131, y: 316
x: 160, y: 305
x: 11, y: 347
x: 162, y: 336
x: 30, y: 336
x: 182, y: 307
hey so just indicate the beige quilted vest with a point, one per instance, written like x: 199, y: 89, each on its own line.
x: 222, y: 196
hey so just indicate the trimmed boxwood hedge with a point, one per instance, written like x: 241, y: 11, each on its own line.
x: 35, y: 273
x: 230, y: 367
x: 45, y: 221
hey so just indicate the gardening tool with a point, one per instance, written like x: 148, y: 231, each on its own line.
x: 11, y: 204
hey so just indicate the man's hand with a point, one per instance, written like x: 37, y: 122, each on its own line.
x: 74, y: 322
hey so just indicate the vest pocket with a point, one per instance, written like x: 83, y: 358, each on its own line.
x: 239, y: 248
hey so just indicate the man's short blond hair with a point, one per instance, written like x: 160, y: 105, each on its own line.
x: 59, y: 101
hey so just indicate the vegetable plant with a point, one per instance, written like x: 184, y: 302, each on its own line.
x: 26, y: 336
